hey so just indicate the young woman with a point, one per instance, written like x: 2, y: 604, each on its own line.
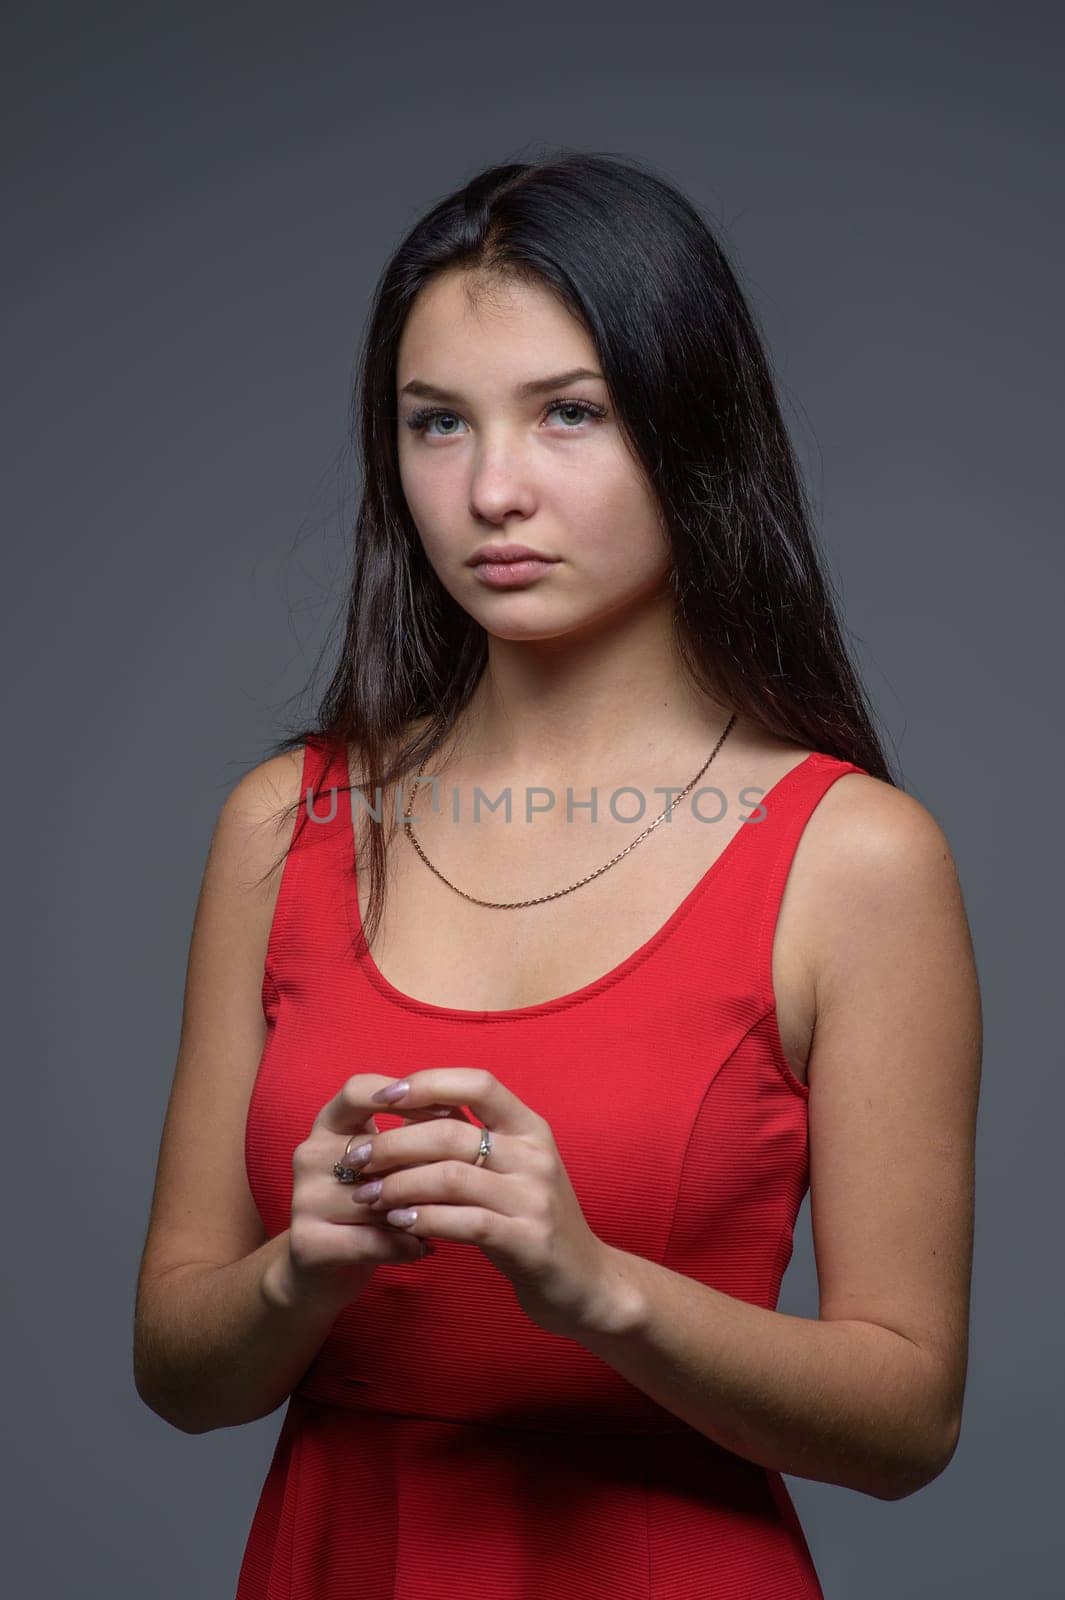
x: 656, y: 943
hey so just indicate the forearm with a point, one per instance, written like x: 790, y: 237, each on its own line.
x: 218, y: 1346
x: 843, y: 1402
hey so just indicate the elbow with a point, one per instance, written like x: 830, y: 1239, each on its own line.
x: 154, y: 1397
x: 165, y: 1413
x: 185, y: 1421
x: 931, y: 1463
x: 150, y: 1380
x: 939, y: 1406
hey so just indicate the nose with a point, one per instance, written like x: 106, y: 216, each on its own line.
x: 501, y: 486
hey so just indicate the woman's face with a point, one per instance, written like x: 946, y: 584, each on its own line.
x: 482, y: 463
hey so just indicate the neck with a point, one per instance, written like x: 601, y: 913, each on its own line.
x: 604, y: 702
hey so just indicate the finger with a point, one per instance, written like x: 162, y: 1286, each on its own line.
x: 451, y: 1183
x: 351, y: 1110
x: 365, y: 1237
x: 496, y: 1106
x: 375, y: 1235
x: 430, y: 1113
x: 346, y: 1209
x: 464, y: 1225
x: 436, y: 1139
x: 381, y: 1244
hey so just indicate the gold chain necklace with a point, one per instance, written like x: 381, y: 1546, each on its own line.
x: 511, y: 905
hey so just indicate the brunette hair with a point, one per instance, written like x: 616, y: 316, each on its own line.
x: 641, y: 269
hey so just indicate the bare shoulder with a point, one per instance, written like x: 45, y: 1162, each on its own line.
x: 259, y: 811
x: 879, y: 860
x: 868, y: 817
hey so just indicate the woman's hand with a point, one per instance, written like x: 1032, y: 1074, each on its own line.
x: 518, y: 1207
x: 334, y: 1245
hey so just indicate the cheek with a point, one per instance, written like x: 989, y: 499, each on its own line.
x: 430, y: 505
x: 616, y: 528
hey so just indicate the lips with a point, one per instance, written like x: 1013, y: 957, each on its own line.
x: 512, y: 572
x: 504, y: 555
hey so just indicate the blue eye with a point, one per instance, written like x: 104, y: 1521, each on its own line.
x: 419, y: 420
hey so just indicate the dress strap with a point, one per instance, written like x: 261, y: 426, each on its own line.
x: 317, y: 818
x: 789, y: 822
x: 323, y: 800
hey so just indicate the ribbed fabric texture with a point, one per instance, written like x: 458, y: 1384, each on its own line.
x: 441, y: 1443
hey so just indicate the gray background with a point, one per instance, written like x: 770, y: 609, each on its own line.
x: 198, y: 200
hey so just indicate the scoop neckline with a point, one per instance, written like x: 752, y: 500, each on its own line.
x: 574, y: 996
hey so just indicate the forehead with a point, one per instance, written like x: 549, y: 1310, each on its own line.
x: 464, y: 328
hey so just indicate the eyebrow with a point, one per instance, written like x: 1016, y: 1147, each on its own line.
x: 524, y: 391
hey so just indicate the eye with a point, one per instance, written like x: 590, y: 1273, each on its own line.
x: 584, y: 408
x: 418, y: 421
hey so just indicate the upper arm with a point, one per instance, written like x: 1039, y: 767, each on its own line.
x: 894, y: 1074
x: 202, y: 1208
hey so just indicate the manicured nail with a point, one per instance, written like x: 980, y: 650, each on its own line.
x: 394, y: 1091
x: 401, y: 1219
x: 367, y: 1191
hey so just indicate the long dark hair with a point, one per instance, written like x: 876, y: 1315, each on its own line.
x: 633, y: 260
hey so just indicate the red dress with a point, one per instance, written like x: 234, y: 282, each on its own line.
x: 441, y: 1443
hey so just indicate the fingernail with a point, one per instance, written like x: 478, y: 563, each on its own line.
x: 394, y: 1091
x: 367, y: 1191
x: 402, y: 1219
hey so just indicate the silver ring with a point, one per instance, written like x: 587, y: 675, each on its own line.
x: 485, y: 1148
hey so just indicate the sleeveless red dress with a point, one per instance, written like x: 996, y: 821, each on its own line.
x: 441, y: 1443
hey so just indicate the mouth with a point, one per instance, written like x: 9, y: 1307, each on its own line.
x: 510, y: 571
x: 507, y: 555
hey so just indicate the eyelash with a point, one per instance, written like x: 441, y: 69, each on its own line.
x: 417, y: 420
